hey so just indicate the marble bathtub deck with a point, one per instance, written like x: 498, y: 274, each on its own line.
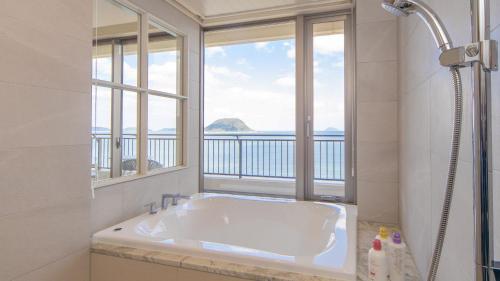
x: 366, y: 232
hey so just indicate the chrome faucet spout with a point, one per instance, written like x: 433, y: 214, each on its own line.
x: 175, y: 199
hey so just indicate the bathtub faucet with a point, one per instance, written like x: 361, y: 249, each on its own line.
x: 175, y: 199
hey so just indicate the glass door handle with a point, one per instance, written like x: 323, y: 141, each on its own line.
x: 117, y: 142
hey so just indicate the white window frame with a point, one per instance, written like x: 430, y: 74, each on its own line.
x: 142, y: 90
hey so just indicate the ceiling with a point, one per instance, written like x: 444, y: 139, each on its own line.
x: 216, y: 12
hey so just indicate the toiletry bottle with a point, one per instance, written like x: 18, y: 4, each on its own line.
x: 383, y: 236
x: 377, y: 262
x: 396, y: 259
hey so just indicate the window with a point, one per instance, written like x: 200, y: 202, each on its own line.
x: 278, y: 118
x: 326, y: 60
x: 249, y: 139
x: 137, y: 121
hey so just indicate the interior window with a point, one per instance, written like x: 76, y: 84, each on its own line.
x: 165, y: 132
x: 164, y: 111
x: 117, y: 93
x: 114, y: 116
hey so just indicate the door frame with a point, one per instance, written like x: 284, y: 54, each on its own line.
x: 304, y: 170
x: 350, y: 194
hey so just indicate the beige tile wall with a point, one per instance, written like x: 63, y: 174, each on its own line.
x: 46, y: 213
x: 377, y: 112
x: 44, y: 140
x: 116, y: 203
x: 426, y: 99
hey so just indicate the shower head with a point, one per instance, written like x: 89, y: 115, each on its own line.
x: 393, y: 9
x: 406, y: 7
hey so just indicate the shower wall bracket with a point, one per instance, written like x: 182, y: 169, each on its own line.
x: 484, y: 52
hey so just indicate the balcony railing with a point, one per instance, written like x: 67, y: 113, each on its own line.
x: 241, y: 155
x: 270, y: 156
x: 161, y: 149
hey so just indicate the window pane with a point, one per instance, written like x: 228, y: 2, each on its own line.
x: 249, y: 140
x: 101, y: 133
x: 101, y: 62
x: 130, y: 60
x: 328, y: 73
x: 164, y: 132
x: 115, y: 31
x: 129, y: 133
x: 163, y: 60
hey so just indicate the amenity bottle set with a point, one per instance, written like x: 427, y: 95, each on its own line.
x: 386, y: 257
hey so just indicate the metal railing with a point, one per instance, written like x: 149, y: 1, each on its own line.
x: 270, y: 155
x: 162, y: 149
x: 242, y: 155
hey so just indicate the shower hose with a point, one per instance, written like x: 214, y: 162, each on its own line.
x: 452, y: 170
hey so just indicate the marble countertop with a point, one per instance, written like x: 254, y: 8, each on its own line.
x: 366, y: 233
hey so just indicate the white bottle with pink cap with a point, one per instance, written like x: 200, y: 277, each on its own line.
x: 377, y: 262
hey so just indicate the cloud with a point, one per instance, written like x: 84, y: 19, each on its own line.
x: 286, y: 81
x: 324, y: 45
x: 242, y: 61
x: 329, y: 44
x: 163, y: 76
x: 317, y: 68
x: 339, y: 64
x: 261, y: 105
x: 262, y: 110
x: 101, y: 68
x: 261, y: 45
x: 264, y: 97
x: 291, y: 52
x: 212, y: 51
x: 225, y: 72
x: 129, y: 74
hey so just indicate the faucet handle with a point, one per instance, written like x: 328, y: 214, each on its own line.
x: 177, y: 197
x: 152, y: 208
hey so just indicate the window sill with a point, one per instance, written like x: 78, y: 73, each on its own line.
x: 110, y: 182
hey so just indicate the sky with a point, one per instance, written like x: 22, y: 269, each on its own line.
x: 255, y: 82
x: 161, y: 77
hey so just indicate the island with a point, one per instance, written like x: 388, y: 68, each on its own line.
x: 228, y: 125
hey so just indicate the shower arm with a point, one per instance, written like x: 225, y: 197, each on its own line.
x: 484, y: 51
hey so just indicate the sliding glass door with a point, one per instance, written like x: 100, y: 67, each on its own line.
x: 328, y: 111
x: 277, y: 117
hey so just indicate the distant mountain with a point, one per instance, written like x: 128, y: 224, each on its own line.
x: 165, y: 130
x: 332, y: 129
x: 228, y: 125
x: 100, y: 130
x: 130, y: 130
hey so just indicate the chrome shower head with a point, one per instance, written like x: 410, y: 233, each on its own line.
x: 407, y: 7
x: 389, y: 6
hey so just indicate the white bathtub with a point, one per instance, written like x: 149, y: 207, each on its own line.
x: 297, y: 236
